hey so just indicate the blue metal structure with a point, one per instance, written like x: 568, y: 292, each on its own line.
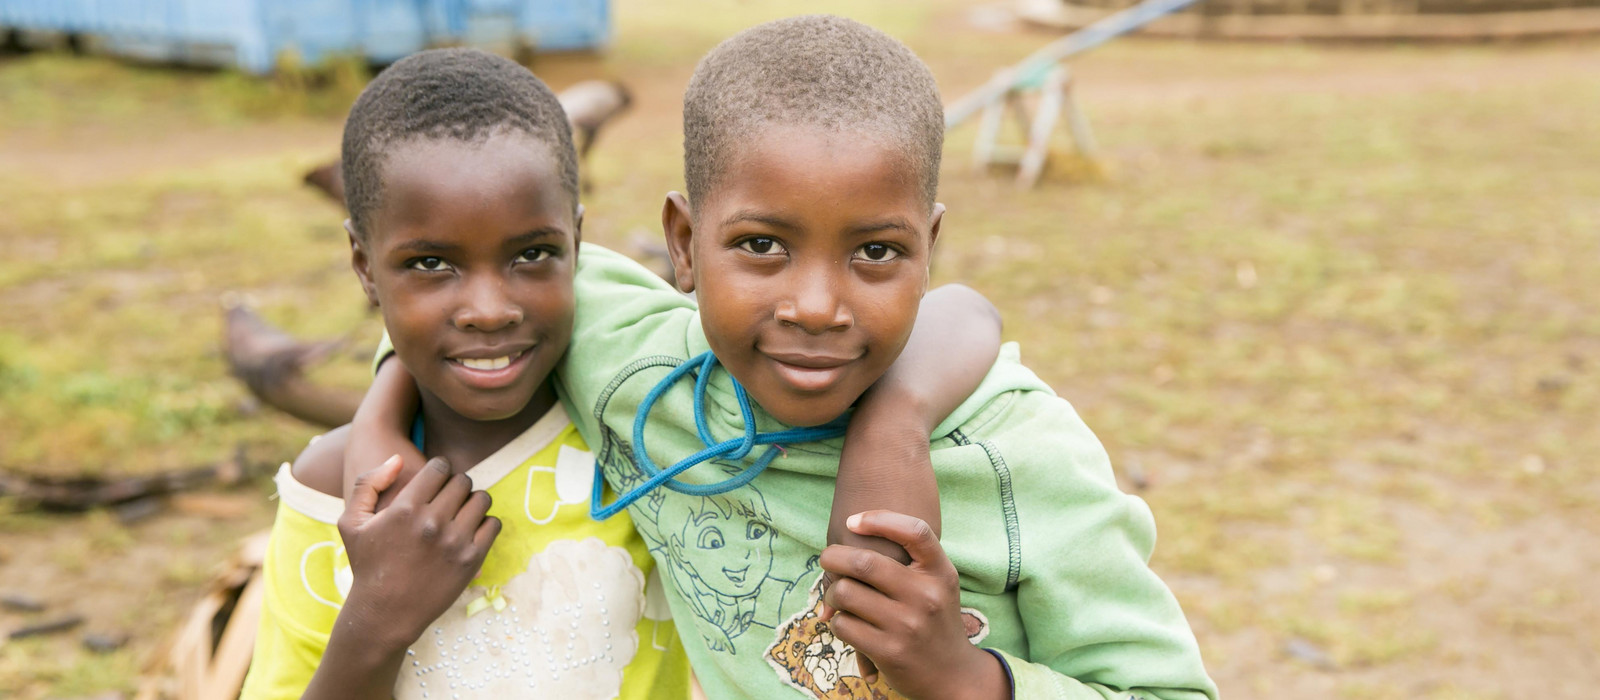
x: 253, y: 34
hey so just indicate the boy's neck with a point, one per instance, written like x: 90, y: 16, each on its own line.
x: 466, y: 442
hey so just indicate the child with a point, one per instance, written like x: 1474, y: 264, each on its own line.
x: 811, y: 154
x: 464, y: 230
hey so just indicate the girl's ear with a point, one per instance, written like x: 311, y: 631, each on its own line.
x: 678, y: 225
x: 361, y: 264
x: 577, y: 232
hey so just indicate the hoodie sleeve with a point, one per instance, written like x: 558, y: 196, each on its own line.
x: 1099, y: 622
x: 624, y: 313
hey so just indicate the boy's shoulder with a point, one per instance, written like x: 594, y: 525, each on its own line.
x: 321, y: 464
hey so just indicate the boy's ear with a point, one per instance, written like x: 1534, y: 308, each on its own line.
x: 678, y: 225
x: 361, y: 263
x: 933, y: 229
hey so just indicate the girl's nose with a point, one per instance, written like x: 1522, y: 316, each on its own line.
x: 487, y: 308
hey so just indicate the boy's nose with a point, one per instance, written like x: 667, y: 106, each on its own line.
x: 816, y: 305
x: 487, y: 308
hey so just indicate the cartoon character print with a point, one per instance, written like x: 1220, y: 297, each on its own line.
x: 717, y: 550
x: 808, y: 657
x: 719, y: 554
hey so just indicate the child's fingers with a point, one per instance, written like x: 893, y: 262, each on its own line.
x: 860, y: 600
x: 487, y: 531
x: 426, y: 483
x: 364, y: 497
x: 451, y: 497
x: 860, y: 634
x: 471, y: 514
x: 907, y: 531
x: 866, y: 567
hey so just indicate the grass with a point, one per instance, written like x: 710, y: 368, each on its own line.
x: 1336, y: 303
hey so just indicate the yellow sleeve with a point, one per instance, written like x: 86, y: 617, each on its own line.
x: 300, y: 603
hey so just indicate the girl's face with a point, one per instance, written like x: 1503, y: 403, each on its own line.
x: 470, y: 257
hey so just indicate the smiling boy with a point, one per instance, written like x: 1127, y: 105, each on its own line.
x: 812, y: 149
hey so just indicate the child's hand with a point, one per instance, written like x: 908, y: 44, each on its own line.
x: 907, y: 617
x: 412, y: 561
x: 369, y: 445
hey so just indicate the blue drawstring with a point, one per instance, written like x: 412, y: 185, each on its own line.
x: 734, y: 449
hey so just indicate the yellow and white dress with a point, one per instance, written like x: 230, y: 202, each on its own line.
x: 565, y: 607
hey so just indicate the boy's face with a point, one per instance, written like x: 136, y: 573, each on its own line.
x: 809, y: 261
x: 470, y: 256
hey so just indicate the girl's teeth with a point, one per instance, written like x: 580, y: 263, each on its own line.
x: 496, y: 363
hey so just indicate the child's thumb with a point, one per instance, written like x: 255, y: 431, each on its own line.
x: 364, y: 498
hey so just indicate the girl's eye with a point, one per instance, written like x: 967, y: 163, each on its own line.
x: 533, y: 255
x: 763, y: 246
x: 877, y: 252
x: 428, y: 264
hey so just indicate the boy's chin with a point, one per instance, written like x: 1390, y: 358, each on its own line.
x: 803, y: 411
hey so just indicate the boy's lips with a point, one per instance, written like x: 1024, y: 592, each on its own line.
x: 809, y: 373
x: 490, y: 370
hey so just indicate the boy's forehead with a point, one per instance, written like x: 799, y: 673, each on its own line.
x: 796, y: 169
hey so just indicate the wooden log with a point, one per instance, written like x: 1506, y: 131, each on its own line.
x: 272, y: 364
x: 78, y: 493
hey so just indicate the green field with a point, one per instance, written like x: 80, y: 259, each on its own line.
x: 1337, y: 305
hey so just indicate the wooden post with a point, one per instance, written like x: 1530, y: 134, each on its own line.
x: 1037, y: 152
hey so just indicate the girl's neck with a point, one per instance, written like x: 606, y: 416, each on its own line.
x: 466, y: 442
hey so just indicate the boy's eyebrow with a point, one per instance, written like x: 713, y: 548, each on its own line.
x: 752, y: 215
x: 779, y: 222
x: 884, y: 225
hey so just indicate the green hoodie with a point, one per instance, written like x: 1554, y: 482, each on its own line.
x: 1052, y: 555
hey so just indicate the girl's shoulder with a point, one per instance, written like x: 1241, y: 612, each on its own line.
x: 321, y: 464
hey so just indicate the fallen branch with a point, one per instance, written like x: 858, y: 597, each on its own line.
x: 80, y: 493
x: 272, y: 364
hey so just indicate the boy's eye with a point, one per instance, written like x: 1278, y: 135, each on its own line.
x: 877, y: 252
x: 533, y: 255
x: 428, y: 264
x: 762, y: 246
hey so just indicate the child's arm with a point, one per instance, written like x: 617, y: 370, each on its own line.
x: 885, y: 463
x: 410, y: 564
x: 381, y: 426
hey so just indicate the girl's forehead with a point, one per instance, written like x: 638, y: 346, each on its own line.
x: 440, y: 179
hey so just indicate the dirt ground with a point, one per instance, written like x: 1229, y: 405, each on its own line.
x: 1331, y: 309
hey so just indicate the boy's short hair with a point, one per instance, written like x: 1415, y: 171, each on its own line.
x: 461, y: 94
x: 817, y: 70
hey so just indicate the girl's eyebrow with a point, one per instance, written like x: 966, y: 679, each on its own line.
x: 423, y: 245
x: 537, y: 234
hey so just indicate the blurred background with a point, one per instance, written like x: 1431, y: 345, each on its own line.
x: 1321, y: 275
